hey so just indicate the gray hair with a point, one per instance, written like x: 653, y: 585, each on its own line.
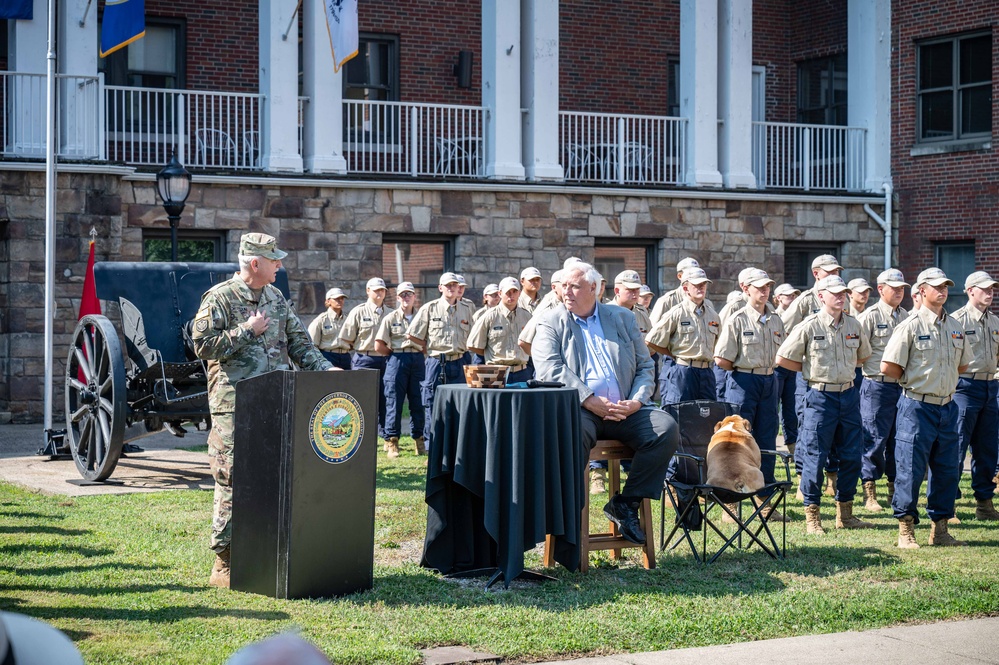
x: 590, y: 273
x: 244, y: 261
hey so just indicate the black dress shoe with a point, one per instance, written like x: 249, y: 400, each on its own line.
x: 624, y: 514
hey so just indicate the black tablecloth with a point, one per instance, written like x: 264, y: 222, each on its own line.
x: 506, y: 467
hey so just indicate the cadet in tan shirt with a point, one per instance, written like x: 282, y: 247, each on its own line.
x: 826, y: 348
x: 359, y: 331
x: 325, y: 330
x: 495, y: 334
x: 879, y: 393
x: 404, y: 371
x: 530, y: 283
x: 441, y: 329
x: 490, y: 298
x: 926, y: 353
x: 687, y: 333
x: 977, y: 390
x: 787, y: 380
x: 551, y: 300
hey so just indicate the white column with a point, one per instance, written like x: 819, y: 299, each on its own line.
x: 699, y: 90
x: 735, y: 93
x: 539, y: 86
x: 279, y: 86
x: 869, y: 85
x: 323, y: 132
x: 79, y: 99
x: 29, y: 41
x: 26, y: 55
x: 501, y: 89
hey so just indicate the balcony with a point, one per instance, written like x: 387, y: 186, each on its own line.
x: 221, y: 131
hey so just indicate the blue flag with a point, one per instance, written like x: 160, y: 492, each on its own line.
x: 18, y: 9
x: 124, y: 22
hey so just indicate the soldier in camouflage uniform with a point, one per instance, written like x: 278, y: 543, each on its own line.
x: 244, y: 328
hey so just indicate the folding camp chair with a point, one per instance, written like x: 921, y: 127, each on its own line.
x: 698, y: 505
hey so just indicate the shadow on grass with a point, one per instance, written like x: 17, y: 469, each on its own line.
x: 169, y: 614
x: 28, y: 548
x: 30, y: 515
x: 62, y: 570
x: 59, y: 531
x: 401, y: 479
x: 104, y: 591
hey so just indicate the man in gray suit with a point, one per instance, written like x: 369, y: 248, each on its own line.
x: 599, y: 351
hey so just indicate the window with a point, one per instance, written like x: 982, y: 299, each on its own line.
x: 798, y: 259
x: 192, y: 246
x: 822, y: 91
x: 954, y: 88
x: 673, y: 88
x: 416, y: 259
x: 373, y: 76
x: 957, y: 260
x: 612, y: 257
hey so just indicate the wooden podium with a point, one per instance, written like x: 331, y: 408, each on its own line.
x: 303, y: 510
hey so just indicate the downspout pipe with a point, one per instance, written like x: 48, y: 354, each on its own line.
x: 885, y: 223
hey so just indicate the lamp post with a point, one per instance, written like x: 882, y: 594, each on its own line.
x: 174, y: 185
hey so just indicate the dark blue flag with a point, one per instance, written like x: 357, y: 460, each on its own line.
x: 124, y: 22
x: 19, y: 9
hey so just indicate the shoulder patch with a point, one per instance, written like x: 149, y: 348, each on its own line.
x: 201, y: 325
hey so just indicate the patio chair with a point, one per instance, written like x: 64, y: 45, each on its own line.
x: 215, y: 148
x: 251, y: 148
x: 700, y: 507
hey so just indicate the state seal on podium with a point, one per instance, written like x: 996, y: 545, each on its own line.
x: 336, y: 428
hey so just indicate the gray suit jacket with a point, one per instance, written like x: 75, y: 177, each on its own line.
x: 559, y: 352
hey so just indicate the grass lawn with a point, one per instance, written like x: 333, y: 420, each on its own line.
x: 126, y: 578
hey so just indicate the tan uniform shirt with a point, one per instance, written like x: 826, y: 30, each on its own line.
x: 443, y: 327
x: 749, y: 340
x: 981, y: 333
x: 731, y: 308
x: 361, y: 327
x: 643, y: 319
x: 687, y: 331
x: 325, y: 332
x: 929, y: 349
x: 496, y: 332
x: 800, y: 309
x: 668, y: 301
x: 528, y: 304
x: 527, y: 334
x: 877, y: 323
x: 479, y: 312
x: 392, y: 331
x: 828, y: 353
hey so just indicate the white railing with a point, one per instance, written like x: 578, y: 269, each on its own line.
x: 622, y: 149
x: 404, y: 138
x: 794, y: 156
x: 208, y: 129
x: 23, y: 111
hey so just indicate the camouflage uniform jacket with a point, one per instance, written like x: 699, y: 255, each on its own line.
x: 223, y: 337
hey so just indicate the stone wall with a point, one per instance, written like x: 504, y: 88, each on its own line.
x: 334, y: 236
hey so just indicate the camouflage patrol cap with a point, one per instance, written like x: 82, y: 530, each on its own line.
x: 260, y: 244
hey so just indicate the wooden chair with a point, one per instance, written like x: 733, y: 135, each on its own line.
x: 612, y: 452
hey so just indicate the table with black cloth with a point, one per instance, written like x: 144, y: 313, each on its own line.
x: 506, y: 468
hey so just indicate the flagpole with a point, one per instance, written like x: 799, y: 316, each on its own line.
x: 52, y: 440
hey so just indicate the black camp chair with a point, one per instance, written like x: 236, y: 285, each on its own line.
x: 697, y: 505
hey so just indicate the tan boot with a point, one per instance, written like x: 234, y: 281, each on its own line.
x: 392, y: 447
x: 907, y: 533
x: 954, y: 519
x: 220, y: 571
x: 985, y: 511
x: 831, y: 483
x: 941, y: 537
x: 726, y: 518
x: 385, y: 447
x: 845, y: 518
x: 891, y: 491
x: 871, y: 497
x: 772, y: 514
x: 813, y: 520
x: 419, y: 445
x: 598, y: 481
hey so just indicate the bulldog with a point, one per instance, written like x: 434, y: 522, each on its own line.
x: 733, y: 458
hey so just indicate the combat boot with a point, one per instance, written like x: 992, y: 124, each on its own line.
x: 813, y: 520
x: 954, y: 519
x: 418, y: 444
x: 831, y: 478
x: 845, y: 518
x: 392, y: 447
x: 773, y: 514
x: 725, y: 517
x: 871, y: 497
x: 598, y: 481
x: 907, y: 533
x: 220, y: 571
x: 985, y: 511
x: 891, y: 491
x: 941, y: 537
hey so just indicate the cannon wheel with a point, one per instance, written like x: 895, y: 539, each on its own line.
x: 95, y: 398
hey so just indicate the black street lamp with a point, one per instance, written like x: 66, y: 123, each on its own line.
x: 174, y: 185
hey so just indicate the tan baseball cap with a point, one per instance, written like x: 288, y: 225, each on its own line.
x: 629, y: 279
x: 335, y: 293
x: 826, y: 262
x: 530, y: 273
x: 786, y: 289
x: 757, y: 277
x: 644, y: 290
x: 859, y: 284
x: 933, y: 277
x: 490, y: 289
x: 260, y: 244
x: 449, y: 278
x: 694, y: 276
x: 405, y: 287
x: 981, y: 279
x: 892, y: 277
x: 375, y: 283
x: 687, y: 263
x: 508, y: 283
x: 832, y: 284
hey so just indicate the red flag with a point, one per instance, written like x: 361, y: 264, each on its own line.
x: 89, y: 304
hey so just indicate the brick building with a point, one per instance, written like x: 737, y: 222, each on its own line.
x: 628, y: 133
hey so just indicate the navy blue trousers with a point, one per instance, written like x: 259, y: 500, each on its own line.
x: 978, y: 429
x: 756, y: 396
x: 785, y: 396
x: 403, y: 375
x: 436, y: 373
x: 832, y: 420
x: 340, y: 360
x: 925, y: 438
x: 361, y: 361
x: 681, y: 383
x: 878, y: 408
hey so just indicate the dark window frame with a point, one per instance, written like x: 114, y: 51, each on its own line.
x: 651, y: 247
x: 218, y: 239
x: 388, y: 126
x: 446, y: 241
x: 956, y: 297
x: 956, y: 87
x: 834, y: 112
x: 810, y: 251
x: 673, y: 87
x: 115, y: 66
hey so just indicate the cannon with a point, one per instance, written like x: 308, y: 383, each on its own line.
x: 149, y: 373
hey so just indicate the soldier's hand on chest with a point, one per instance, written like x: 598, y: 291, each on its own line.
x: 258, y: 323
